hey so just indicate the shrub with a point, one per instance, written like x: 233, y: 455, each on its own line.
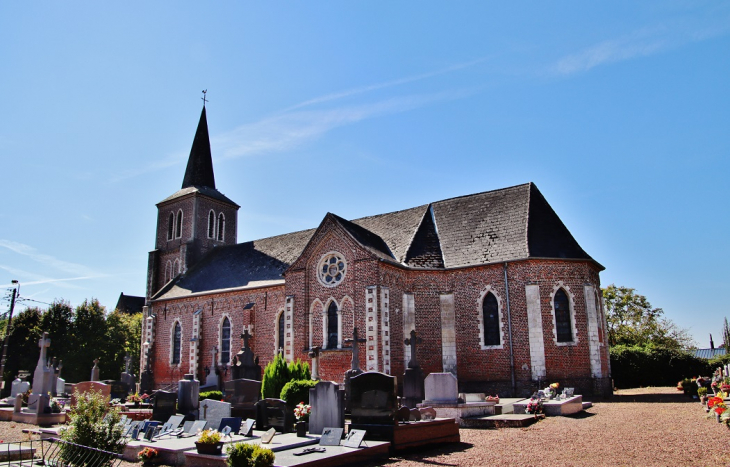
x: 297, y: 391
x: 249, y: 455
x: 634, y: 366
x: 214, y: 395
x: 689, y: 387
x: 702, y: 391
x: 93, y: 424
x: 276, y: 375
x: 299, y: 370
x: 209, y: 436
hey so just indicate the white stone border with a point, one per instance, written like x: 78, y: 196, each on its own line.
x: 571, y: 305
x: 480, y: 316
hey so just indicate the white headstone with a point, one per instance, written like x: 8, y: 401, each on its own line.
x: 328, y: 407
x: 60, y: 386
x: 19, y: 387
x: 441, y: 387
x: 213, y: 412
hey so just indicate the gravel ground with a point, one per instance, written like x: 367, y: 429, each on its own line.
x: 641, y: 427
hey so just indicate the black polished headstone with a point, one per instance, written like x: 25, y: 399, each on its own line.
x: 373, y: 399
x: 119, y: 390
x: 274, y: 413
x: 165, y: 405
x: 243, y: 394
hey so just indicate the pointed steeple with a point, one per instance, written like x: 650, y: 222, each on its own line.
x: 200, y: 163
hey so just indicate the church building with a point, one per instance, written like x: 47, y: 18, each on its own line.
x: 495, y: 286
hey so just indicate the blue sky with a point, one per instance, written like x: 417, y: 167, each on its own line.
x: 618, y: 111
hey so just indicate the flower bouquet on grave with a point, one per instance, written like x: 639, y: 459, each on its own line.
x: 302, y: 412
x: 534, y: 406
x: 494, y: 399
x: 147, y: 454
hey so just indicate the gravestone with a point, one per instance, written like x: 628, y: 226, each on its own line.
x: 127, y: 376
x: 354, y: 365
x: 211, y: 379
x: 38, y: 401
x: 60, y: 386
x: 188, y: 390
x: 165, y: 405
x: 214, y: 411
x: 56, y: 373
x: 274, y: 413
x: 374, y: 399
x: 18, y: 386
x: 91, y: 386
x: 328, y: 407
x: 95, y: 370
x: 244, y: 364
x: 413, y: 389
x: 441, y: 388
x: 243, y: 394
x: 118, y: 390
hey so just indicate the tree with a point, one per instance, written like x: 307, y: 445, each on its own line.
x: 632, y: 321
x: 88, y: 341
x: 725, y: 335
x: 123, y: 336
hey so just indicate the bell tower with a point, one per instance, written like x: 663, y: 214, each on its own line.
x: 193, y: 220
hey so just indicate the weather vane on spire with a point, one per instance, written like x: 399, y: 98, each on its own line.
x: 205, y: 91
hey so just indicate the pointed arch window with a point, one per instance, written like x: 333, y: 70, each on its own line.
x: 178, y: 224
x: 171, y: 226
x: 490, y: 315
x: 211, y: 224
x: 281, y: 331
x: 176, y: 341
x: 226, y: 341
x: 332, y: 326
x: 221, y: 226
x: 175, y: 268
x: 168, y: 272
x: 563, y: 323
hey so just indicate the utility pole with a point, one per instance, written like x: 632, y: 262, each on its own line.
x: 7, y: 335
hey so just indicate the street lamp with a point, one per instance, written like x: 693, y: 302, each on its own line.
x: 16, y: 292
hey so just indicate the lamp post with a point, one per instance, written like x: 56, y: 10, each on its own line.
x: 7, y: 332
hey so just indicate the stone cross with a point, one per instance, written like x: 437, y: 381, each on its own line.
x: 204, y: 405
x: 96, y: 363
x: 127, y: 362
x: 213, y: 351
x: 412, y: 341
x: 355, y: 349
x: 245, y: 336
x: 44, y: 343
x: 314, y: 355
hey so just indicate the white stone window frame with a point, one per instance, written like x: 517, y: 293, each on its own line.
x: 325, y: 324
x: 316, y: 305
x: 325, y: 257
x: 210, y: 233
x: 571, y: 306
x: 480, y: 317
x: 172, y: 342
x: 176, y: 268
x: 179, y: 219
x: 279, y: 345
x: 220, y: 228
x: 220, y: 340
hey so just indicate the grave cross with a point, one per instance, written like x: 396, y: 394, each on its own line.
x: 44, y: 343
x: 245, y: 336
x: 355, y: 349
x: 412, y: 341
x: 314, y: 355
x: 96, y: 362
x: 127, y: 362
x: 213, y: 351
x: 205, y: 409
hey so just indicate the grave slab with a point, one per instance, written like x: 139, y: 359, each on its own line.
x: 502, y: 421
x: 334, y: 456
x: 554, y: 408
x: 281, y: 442
x: 461, y: 411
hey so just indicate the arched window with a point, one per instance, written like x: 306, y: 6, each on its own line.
x: 282, y: 330
x: 175, y: 268
x: 176, y: 341
x: 170, y: 226
x: 490, y: 312
x: 225, y: 341
x: 178, y: 224
x: 211, y: 224
x: 563, y: 324
x: 168, y: 272
x: 332, y: 326
x: 221, y: 226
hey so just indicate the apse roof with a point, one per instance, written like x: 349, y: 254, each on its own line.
x: 490, y: 227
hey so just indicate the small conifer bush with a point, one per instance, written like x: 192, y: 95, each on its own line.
x: 249, y: 455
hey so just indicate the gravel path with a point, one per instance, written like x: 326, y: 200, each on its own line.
x: 642, y: 427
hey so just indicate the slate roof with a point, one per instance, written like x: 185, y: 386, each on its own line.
x: 709, y: 353
x: 130, y: 304
x: 491, y: 227
x: 199, y: 171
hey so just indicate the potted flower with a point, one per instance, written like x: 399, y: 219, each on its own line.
x: 301, y: 412
x: 534, y: 406
x: 209, y: 442
x: 148, y: 456
x: 702, y: 393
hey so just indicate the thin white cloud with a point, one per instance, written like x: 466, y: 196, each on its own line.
x: 286, y: 131
x: 387, y: 84
x: 47, y: 260
x: 642, y: 43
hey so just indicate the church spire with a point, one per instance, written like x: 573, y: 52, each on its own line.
x: 200, y: 163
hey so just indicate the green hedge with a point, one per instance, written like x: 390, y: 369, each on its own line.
x: 654, y: 366
x: 297, y: 391
x: 215, y: 395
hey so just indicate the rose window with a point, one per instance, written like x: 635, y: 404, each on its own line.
x: 332, y: 269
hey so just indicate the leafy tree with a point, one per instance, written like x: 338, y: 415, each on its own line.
x: 23, y: 350
x: 123, y: 336
x: 88, y: 341
x: 632, y: 321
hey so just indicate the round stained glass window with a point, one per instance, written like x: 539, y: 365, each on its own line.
x: 332, y: 269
